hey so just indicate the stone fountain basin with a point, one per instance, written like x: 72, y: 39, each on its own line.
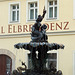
x: 30, y: 45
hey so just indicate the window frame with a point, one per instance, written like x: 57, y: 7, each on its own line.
x: 47, y: 8
x: 9, y: 65
x: 27, y: 10
x: 10, y: 12
x: 73, y: 9
x: 30, y: 8
x: 74, y: 62
x: 52, y: 6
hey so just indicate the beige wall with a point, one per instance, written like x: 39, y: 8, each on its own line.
x: 65, y: 15
x: 65, y: 57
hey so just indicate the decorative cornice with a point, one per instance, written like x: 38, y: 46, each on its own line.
x: 61, y: 33
x: 28, y: 34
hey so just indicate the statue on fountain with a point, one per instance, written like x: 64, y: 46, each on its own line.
x: 38, y: 30
x: 39, y: 43
x: 39, y: 35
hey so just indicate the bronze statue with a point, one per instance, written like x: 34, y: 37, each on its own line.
x: 39, y: 43
x: 20, y: 69
x: 38, y: 30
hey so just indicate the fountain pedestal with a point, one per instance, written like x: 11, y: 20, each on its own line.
x: 39, y: 64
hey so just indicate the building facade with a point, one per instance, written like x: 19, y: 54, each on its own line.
x: 16, y: 19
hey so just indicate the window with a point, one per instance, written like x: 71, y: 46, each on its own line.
x: 8, y: 65
x: 52, y: 58
x: 29, y: 61
x: 73, y: 9
x: 74, y: 63
x: 52, y: 9
x: 14, y: 13
x: 32, y: 11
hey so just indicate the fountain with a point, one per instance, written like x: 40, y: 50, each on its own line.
x: 39, y: 43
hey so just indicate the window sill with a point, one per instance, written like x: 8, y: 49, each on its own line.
x: 52, y: 19
x: 31, y: 20
x: 14, y: 22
